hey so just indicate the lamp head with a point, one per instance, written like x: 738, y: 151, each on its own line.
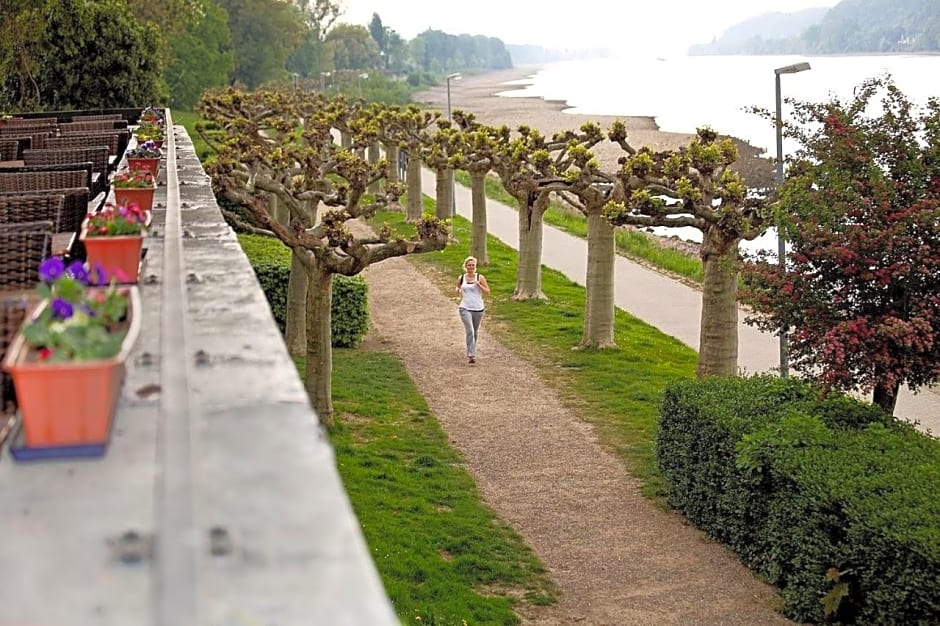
x: 792, y: 69
x: 454, y: 76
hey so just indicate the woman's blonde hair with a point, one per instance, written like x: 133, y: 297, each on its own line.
x: 468, y: 259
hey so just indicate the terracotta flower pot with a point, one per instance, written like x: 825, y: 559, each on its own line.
x: 120, y: 256
x: 143, y: 196
x: 69, y: 403
x: 152, y: 165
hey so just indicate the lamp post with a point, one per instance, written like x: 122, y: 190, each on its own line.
x: 450, y: 174
x: 360, y: 77
x: 781, y: 243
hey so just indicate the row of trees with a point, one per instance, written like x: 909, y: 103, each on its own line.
x: 60, y: 54
x: 861, y: 206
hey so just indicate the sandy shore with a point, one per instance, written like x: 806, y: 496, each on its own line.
x: 477, y: 94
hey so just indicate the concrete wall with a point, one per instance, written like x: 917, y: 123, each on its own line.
x: 218, y: 501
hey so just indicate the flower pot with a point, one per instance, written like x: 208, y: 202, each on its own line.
x: 120, y: 256
x: 69, y: 403
x: 143, y: 196
x: 152, y: 165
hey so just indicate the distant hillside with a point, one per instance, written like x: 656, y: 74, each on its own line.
x: 752, y: 32
x: 753, y: 35
x: 852, y: 26
x: 530, y: 55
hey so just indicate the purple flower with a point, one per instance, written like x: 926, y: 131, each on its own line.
x: 51, y: 269
x: 78, y: 272
x: 62, y: 309
x: 101, y: 274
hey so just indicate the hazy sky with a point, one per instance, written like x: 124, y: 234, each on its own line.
x: 663, y: 26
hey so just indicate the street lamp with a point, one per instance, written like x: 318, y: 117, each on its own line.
x: 453, y: 188
x: 781, y: 243
x: 361, y: 76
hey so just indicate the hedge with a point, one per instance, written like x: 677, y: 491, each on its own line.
x: 349, y: 315
x: 830, y: 499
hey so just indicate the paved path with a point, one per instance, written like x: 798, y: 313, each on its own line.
x: 643, y: 292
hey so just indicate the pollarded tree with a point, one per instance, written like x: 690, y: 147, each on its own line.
x: 695, y: 187
x: 530, y: 170
x: 861, y: 289
x: 408, y: 129
x: 275, y: 148
x: 478, y: 149
x: 589, y: 191
x: 440, y: 150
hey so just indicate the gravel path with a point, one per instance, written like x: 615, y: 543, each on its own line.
x: 616, y: 558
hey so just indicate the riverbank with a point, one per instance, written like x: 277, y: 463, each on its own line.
x: 477, y: 94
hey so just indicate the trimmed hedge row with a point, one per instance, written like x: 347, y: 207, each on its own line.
x: 830, y: 499
x: 349, y: 315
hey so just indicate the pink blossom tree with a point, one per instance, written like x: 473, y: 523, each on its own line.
x: 861, y: 286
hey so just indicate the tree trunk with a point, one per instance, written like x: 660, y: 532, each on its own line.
x: 295, y: 324
x: 599, y: 283
x: 319, y: 378
x: 886, y: 395
x: 415, y: 207
x: 373, y: 158
x: 718, y: 339
x: 479, y: 227
x: 278, y: 211
x: 442, y: 194
x: 529, y: 273
x: 295, y: 331
x: 345, y: 139
x: 391, y: 154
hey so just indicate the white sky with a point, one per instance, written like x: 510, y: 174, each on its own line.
x: 664, y: 27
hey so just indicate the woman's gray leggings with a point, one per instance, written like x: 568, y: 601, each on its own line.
x: 471, y: 323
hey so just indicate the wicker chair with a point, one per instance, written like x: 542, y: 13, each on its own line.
x: 32, y: 121
x: 37, y: 138
x: 96, y: 118
x: 74, y: 207
x: 33, y: 208
x: 22, y: 248
x: 96, y: 155
x: 15, y: 307
x: 70, y: 128
x: 116, y: 140
x: 15, y: 130
x: 11, y: 149
x: 32, y: 177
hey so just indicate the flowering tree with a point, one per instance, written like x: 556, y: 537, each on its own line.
x: 861, y: 289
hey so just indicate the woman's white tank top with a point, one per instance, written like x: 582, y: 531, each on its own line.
x: 472, y: 294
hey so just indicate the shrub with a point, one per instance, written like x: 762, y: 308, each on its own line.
x: 830, y: 499
x: 349, y: 315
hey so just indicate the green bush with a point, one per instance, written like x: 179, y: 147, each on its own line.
x: 830, y: 499
x: 349, y: 315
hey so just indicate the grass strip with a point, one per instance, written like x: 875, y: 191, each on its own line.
x: 444, y: 557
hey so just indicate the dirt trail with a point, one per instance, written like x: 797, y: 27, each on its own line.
x: 616, y: 558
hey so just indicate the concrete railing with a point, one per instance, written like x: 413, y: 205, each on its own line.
x: 218, y: 501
